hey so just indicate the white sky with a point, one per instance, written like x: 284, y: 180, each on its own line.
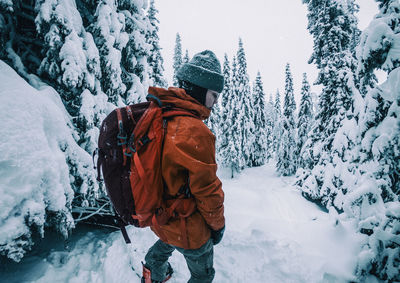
x: 273, y: 33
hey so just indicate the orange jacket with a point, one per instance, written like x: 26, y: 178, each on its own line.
x: 189, y: 151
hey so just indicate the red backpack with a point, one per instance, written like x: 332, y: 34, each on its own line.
x: 130, y: 151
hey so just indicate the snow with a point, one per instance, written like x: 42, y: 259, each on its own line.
x: 64, y: 12
x: 35, y: 143
x: 391, y: 87
x: 67, y: 41
x: 380, y: 36
x: 73, y: 60
x: 94, y: 110
x: 381, y: 137
x: 374, y: 38
x: 93, y: 60
x: 111, y: 25
x: 7, y: 5
x: 272, y: 235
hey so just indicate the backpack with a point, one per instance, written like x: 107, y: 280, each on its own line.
x: 129, y: 153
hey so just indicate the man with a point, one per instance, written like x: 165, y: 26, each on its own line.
x: 189, y: 169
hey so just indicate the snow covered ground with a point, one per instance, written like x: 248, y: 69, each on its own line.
x: 272, y: 235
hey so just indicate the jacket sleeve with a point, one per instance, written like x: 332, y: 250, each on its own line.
x: 196, y: 154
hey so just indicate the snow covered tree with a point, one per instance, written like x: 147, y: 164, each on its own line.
x: 71, y: 57
x: 155, y: 59
x: 332, y: 26
x: 6, y: 5
x: 360, y: 174
x: 260, y: 123
x: 277, y: 116
x: 232, y: 153
x: 289, y: 106
x: 6, y: 9
x: 222, y: 148
x: 88, y: 51
x: 186, y: 59
x: 20, y: 45
x: 305, y: 117
x: 134, y: 63
x: 243, y: 93
x: 110, y: 38
x: 213, y: 122
x: 277, y: 104
x: 373, y: 194
x: 71, y: 64
x: 287, y: 159
x: 269, y: 128
x: 177, y: 58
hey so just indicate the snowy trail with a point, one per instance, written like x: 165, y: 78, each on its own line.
x: 275, y: 235
x: 272, y: 235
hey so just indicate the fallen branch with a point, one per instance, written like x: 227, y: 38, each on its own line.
x: 97, y: 212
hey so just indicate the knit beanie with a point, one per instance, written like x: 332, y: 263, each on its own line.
x: 203, y: 70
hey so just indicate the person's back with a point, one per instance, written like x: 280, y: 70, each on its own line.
x: 189, y: 171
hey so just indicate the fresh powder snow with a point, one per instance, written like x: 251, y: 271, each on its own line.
x: 35, y: 144
x: 272, y: 235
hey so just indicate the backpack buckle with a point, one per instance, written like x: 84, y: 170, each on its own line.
x: 184, y: 190
x: 131, y: 145
x: 121, y: 135
x: 123, y: 140
x: 128, y: 154
x: 144, y: 140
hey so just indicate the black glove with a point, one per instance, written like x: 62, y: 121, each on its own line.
x: 216, y: 236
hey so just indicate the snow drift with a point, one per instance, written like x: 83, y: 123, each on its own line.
x: 37, y: 152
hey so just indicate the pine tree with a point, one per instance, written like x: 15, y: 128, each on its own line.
x: 71, y: 57
x: 289, y: 107
x: 277, y: 117
x: 260, y: 122
x: 373, y: 194
x: 72, y: 65
x: 333, y: 27
x: 287, y: 159
x: 213, y: 121
x: 110, y: 38
x: 6, y: 6
x: 269, y: 128
x: 6, y: 11
x: 155, y: 60
x: 177, y: 58
x: 305, y: 117
x: 186, y: 59
x: 353, y: 8
x: 277, y: 105
x: 134, y: 63
x: 243, y: 93
x: 233, y: 157
x: 225, y: 122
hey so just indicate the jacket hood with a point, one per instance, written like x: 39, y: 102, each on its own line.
x: 178, y: 98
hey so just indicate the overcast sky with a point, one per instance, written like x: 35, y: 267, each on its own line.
x: 273, y: 33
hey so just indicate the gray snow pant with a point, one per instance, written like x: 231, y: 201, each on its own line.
x: 199, y: 261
